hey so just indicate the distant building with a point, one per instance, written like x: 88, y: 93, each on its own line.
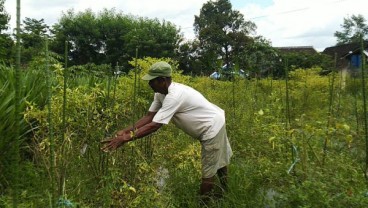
x: 348, y: 56
x: 297, y: 49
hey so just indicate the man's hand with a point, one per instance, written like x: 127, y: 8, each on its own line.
x: 115, y: 142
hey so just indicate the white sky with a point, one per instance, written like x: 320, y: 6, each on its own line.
x: 283, y: 22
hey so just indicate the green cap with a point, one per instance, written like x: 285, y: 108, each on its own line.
x: 158, y: 69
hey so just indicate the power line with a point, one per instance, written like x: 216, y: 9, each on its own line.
x: 296, y: 10
x: 286, y: 12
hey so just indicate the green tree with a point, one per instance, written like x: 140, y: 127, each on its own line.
x: 187, y: 57
x: 6, y: 43
x: 154, y: 38
x: 351, y: 29
x: 220, y: 30
x: 33, y: 35
x: 82, y: 33
x: 302, y: 60
x: 4, y: 17
x: 110, y: 37
x: 259, y: 58
x: 114, y: 28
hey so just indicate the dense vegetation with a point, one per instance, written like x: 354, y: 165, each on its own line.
x: 300, y: 146
x: 299, y: 140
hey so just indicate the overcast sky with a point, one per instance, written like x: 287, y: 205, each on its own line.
x: 283, y: 22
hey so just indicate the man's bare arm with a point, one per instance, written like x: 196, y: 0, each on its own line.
x: 141, y: 122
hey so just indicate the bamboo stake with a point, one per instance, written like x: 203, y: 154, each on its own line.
x: 135, y: 89
x: 287, y: 96
x: 294, y: 150
x: 330, y: 112
x: 364, y: 106
x: 233, y: 92
x: 134, y: 108
x: 63, y: 163
x: 49, y: 120
x: 16, y: 163
x: 115, y: 82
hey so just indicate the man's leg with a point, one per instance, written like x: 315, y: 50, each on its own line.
x: 207, y: 186
x: 222, y: 174
x: 206, y: 189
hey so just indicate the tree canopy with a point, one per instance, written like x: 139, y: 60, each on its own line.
x: 111, y: 37
x: 222, y: 32
x: 223, y: 38
x: 6, y: 42
x: 33, y: 35
x: 352, y: 28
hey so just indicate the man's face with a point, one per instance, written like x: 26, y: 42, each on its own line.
x: 158, y: 85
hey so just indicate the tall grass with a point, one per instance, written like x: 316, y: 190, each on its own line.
x: 258, y: 174
x: 32, y: 91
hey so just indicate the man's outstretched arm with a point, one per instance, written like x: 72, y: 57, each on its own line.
x: 141, y: 130
x: 141, y: 122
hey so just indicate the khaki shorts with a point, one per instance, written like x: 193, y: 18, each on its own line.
x: 216, y: 153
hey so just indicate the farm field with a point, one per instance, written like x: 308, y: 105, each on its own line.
x: 297, y: 142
